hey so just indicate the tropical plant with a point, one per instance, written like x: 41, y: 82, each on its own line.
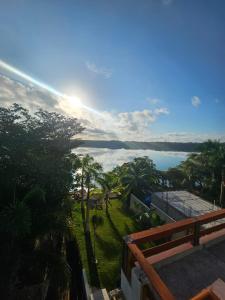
x: 202, y: 171
x: 92, y: 173
x: 148, y: 220
x: 139, y: 174
x: 108, y: 182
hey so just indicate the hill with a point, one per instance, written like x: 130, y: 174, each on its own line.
x: 158, y: 146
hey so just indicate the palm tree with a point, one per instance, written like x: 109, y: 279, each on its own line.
x: 138, y: 175
x: 85, y: 162
x: 108, y: 182
x: 81, y: 165
x: 91, y: 173
x: 191, y: 168
x: 202, y: 171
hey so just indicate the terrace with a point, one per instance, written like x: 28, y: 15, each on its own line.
x: 186, y: 262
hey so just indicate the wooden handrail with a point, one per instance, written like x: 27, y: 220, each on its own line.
x: 212, y: 229
x: 211, y: 216
x: 152, y: 275
x: 203, y: 295
x: 169, y: 229
x: 206, y: 294
x: 168, y: 245
x: 161, y: 231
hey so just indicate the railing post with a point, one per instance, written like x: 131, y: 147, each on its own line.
x: 127, y: 258
x: 196, y: 234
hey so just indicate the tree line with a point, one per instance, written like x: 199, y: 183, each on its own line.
x: 35, y: 210
x: 201, y: 173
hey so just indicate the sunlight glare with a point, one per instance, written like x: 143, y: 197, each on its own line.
x: 74, y: 101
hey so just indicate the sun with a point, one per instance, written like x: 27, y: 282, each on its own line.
x: 74, y: 101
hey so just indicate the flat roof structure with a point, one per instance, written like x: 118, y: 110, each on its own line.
x: 184, y: 203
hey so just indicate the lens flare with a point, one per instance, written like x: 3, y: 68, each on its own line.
x: 74, y: 101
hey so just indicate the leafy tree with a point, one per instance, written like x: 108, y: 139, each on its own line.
x: 108, y: 182
x: 175, y: 177
x: 35, y: 213
x: 139, y: 174
x: 201, y: 172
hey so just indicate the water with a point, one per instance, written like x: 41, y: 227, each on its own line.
x: 110, y: 158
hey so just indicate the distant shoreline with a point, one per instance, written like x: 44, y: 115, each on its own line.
x: 157, y: 146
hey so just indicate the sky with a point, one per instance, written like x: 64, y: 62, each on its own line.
x: 147, y: 70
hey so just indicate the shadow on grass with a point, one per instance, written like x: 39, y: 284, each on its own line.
x: 126, y: 211
x: 110, y: 249
x: 114, y: 228
x: 83, y: 217
x: 93, y: 271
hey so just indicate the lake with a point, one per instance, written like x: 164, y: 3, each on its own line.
x: 110, y: 158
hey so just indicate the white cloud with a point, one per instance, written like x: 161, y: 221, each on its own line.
x: 167, y: 2
x: 29, y: 96
x: 105, y: 72
x: 162, y: 111
x: 133, y: 125
x: 153, y: 101
x: 195, y: 101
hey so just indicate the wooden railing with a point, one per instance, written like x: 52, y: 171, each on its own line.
x: 191, y: 230
x: 205, y: 294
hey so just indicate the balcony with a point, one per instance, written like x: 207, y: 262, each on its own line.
x: 185, y: 260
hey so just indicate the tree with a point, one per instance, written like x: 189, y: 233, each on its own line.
x: 35, y: 178
x: 175, y: 177
x: 93, y: 170
x: 138, y: 175
x: 86, y: 161
x: 108, y: 182
x: 202, y: 171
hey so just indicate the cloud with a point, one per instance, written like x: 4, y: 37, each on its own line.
x: 105, y: 72
x: 135, y: 120
x: 29, y: 96
x: 162, y: 111
x: 133, y: 125
x: 153, y: 101
x: 126, y: 126
x: 195, y: 101
x: 167, y: 2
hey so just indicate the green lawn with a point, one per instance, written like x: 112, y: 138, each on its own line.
x: 108, y: 241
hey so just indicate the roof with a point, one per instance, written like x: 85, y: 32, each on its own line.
x: 187, y: 203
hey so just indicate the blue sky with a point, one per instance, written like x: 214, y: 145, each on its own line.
x: 154, y: 68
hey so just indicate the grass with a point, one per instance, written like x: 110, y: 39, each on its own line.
x: 108, y: 244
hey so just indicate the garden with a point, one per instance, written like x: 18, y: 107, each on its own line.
x: 106, y: 241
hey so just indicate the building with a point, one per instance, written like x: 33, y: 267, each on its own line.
x: 180, y: 205
x: 190, y: 266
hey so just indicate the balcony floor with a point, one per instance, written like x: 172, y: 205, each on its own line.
x: 189, y: 275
